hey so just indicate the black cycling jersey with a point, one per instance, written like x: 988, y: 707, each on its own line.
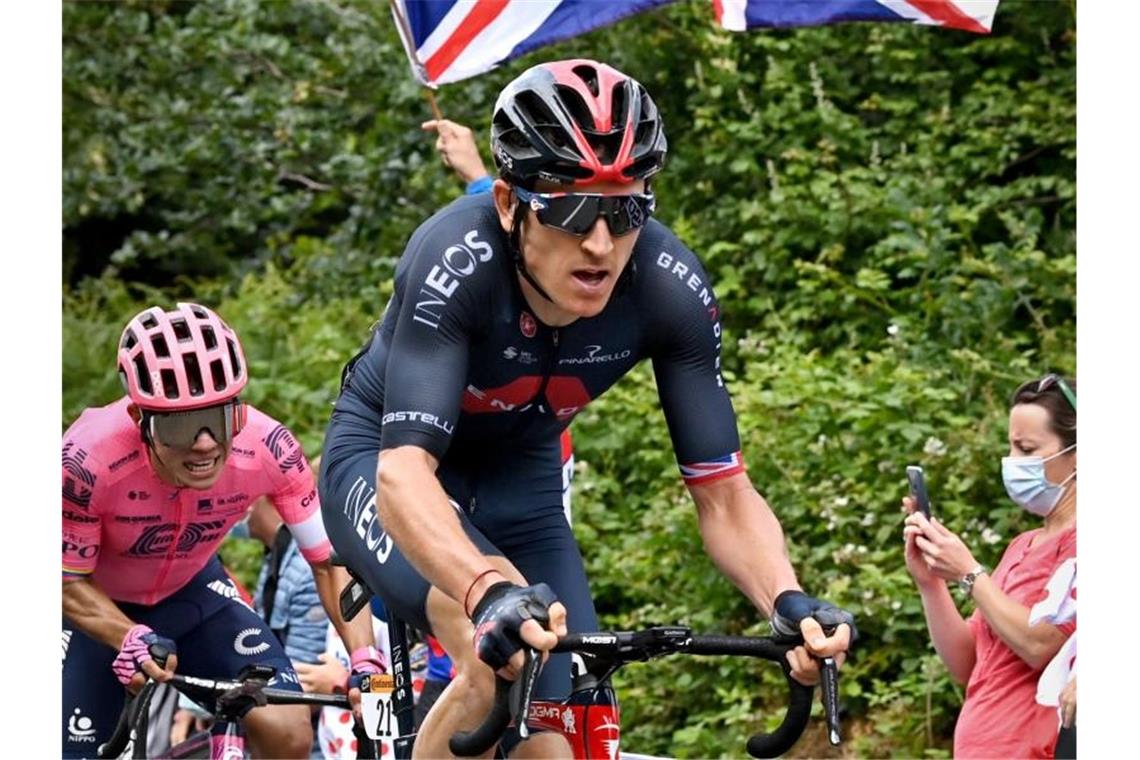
x: 460, y: 363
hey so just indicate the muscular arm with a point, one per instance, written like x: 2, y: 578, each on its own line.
x: 952, y: 637
x: 1036, y: 645
x: 744, y: 539
x: 90, y: 610
x: 409, y: 497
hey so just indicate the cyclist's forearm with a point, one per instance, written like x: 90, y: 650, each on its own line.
x: 90, y: 610
x: 950, y: 634
x: 745, y: 540
x: 355, y: 633
x: 409, y: 497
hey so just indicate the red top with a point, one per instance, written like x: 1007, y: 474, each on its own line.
x: 1001, y: 717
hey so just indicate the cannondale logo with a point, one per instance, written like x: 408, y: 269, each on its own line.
x: 240, y: 646
x: 79, y: 727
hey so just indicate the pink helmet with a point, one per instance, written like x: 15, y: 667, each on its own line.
x: 180, y: 359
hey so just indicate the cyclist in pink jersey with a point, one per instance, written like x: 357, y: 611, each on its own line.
x: 151, y: 485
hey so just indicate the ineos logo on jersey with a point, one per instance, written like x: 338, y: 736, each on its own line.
x: 458, y: 261
x: 360, y: 509
x: 241, y: 647
x: 593, y: 357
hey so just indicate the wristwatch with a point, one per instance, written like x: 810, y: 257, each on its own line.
x: 966, y: 582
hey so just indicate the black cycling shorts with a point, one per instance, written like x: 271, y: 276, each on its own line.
x: 527, y: 526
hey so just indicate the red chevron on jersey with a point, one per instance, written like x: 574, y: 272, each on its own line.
x: 502, y: 399
x: 567, y: 396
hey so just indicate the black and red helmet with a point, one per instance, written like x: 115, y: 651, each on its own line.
x: 575, y: 122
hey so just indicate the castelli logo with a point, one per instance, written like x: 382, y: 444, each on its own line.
x: 527, y: 325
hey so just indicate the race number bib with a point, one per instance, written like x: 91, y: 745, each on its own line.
x: 378, y: 711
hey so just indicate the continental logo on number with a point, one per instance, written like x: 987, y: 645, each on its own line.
x: 79, y: 483
x: 284, y: 448
x: 381, y: 682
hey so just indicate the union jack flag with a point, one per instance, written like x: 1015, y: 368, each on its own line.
x: 714, y: 469
x: 449, y: 40
x: 739, y: 15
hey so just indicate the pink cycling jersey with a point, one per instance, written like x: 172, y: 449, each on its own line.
x: 142, y: 539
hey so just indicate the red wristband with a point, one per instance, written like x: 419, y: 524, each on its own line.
x: 472, y: 586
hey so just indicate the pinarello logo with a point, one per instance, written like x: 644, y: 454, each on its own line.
x: 527, y: 325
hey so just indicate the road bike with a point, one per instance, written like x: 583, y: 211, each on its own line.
x: 227, y: 700
x: 589, y: 717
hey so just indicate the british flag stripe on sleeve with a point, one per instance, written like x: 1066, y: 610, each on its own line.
x: 715, y: 469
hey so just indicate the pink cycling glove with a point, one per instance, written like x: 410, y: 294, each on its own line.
x: 365, y: 661
x: 139, y: 646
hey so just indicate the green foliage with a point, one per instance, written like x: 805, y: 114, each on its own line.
x: 887, y: 212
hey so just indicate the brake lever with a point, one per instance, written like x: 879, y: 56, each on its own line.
x: 532, y: 665
x: 829, y: 689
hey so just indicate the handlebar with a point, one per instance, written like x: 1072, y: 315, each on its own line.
x: 228, y: 700
x: 618, y: 648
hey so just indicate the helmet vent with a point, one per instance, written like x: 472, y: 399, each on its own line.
x: 160, y: 347
x: 576, y: 105
x: 620, y: 106
x: 199, y: 312
x: 209, y: 338
x: 169, y: 383
x: 143, y: 376
x: 181, y: 330
x: 148, y: 321
x: 193, y: 374
x: 535, y: 111
x: 129, y: 340
x: 589, y: 76
x: 234, y: 361
x: 218, y: 372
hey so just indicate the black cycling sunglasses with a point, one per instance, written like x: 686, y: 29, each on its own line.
x: 1046, y: 382
x: 576, y: 213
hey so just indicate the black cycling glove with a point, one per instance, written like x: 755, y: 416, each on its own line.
x: 499, y: 615
x: 793, y: 606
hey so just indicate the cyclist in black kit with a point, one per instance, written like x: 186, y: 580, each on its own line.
x: 440, y: 480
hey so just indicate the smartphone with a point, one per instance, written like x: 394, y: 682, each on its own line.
x: 917, y: 482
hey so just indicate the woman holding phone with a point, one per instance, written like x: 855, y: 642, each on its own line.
x: 995, y: 652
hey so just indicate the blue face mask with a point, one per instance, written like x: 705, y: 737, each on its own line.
x: 1026, y: 484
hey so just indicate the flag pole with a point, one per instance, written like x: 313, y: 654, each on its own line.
x: 409, y: 49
